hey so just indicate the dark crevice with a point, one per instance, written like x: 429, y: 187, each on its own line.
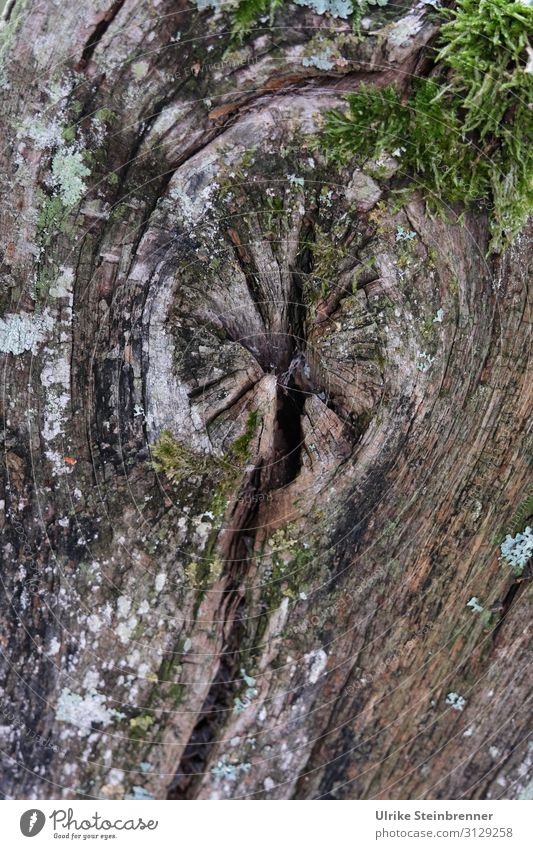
x: 288, y: 437
x: 8, y: 11
x: 217, y: 705
x: 224, y: 688
x: 295, y: 384
x: 99, y: 32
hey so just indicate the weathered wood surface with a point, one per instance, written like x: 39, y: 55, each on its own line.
x: 212, y: 265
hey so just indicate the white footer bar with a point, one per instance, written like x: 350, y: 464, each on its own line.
x: 263, y: 825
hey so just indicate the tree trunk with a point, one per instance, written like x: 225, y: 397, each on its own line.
x: 260, y: 450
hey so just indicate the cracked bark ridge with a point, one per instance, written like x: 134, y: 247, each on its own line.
x: 286, y: 618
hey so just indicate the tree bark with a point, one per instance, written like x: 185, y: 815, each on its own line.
x: 285, y: 615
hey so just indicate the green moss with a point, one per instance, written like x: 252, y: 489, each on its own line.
x: 466, y: 134
x: 454, y: 285
x: 69, y: 133
x: 191, y: 572
x: 289, y: 558
x: 428, y: 329
x: 274, y: 214
x: 177, y: 461
x: 105, y: 115
x: 166, y: 669
x: 248, y: 12
x: 120, y: 212
x: 50, y: 220
x: 141, y: 723
x: 167, y: 686
x: 45, y: 279
x: 176, y: 692
x: 165, y: 690
x: 241, y: 447
x: 199, y: 577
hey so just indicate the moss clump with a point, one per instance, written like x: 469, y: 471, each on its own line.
x: 120, y: 212
x: 240, y: 449
x: 167, y: 683
x: 45, y: 280
x: 69, y: 134
x: 465, y: 134
x: 274, y: 214
x: 201, y: 576
x: 105, y: 115
x: 50, y: 220
x: 142, y: 723
x: 250, y: 13
x: 191, y: 572
x: 177, y: 461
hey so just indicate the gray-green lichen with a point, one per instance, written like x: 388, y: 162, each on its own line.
x: 68, y: 172
x: 517, y: 551
x: 20, y: 332
x: 335, y: 8
x: 224, y: 768
x: 217, y: 5
x: 322, y: 61
x: 83, y: 711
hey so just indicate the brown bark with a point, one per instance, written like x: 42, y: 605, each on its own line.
x: 217, y: 266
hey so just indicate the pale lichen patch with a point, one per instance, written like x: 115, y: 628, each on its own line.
x: 125, y: 629
x: 20, y: 332
x: 55, y: 373
x: 123, y: 605
x: 140, y: 69
x: 335, y: 8
x: 62, y: 288
x: 321, y: 60
x: 160, y: 581
x: 316, y: 662
x: 84, y: 711
x: 68, y: 172
x: 54, y: 646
